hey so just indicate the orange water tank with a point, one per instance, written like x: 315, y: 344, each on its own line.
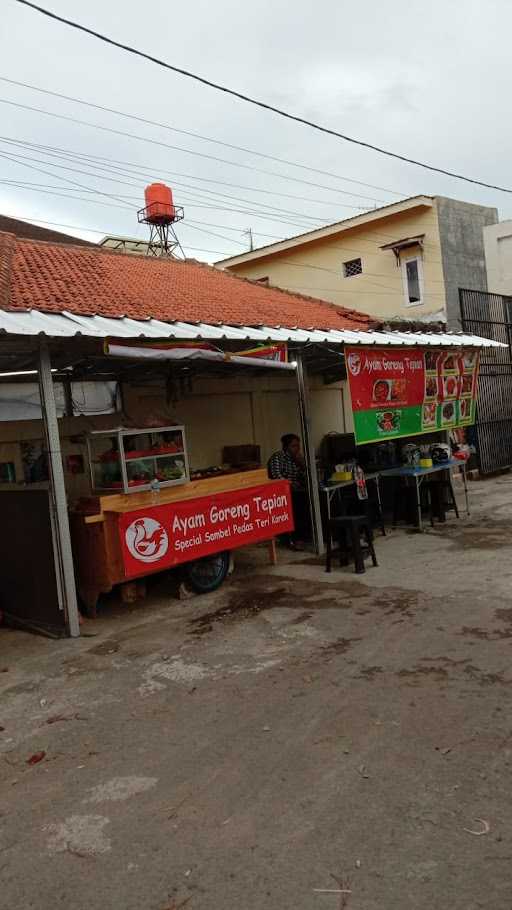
x: 159, y: 203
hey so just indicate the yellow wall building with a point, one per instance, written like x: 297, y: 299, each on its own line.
x: 404, y: 261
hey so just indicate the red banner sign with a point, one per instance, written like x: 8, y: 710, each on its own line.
x: 162, y: 536
x: 408, y: 391
x: 381, y: 377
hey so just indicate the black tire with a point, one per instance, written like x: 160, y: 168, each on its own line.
x: 207, y: 574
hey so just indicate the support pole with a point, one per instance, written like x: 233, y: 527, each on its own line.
x: 64, y: 556
x: 309, y: 454
x: 68, y: 397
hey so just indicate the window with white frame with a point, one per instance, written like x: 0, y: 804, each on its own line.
x: 352, y: 267
x: 412, y: 277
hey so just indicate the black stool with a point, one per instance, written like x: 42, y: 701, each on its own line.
x: 351, y: 526
x: 440, y: 497
x: 404, y: 502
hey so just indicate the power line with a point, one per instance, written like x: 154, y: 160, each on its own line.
x: 53, y: 191
x: 264, y: 207
x: 69, y: 154
x: 195, y: 227
x: 23, y: 159
x: 167, y: 145
x: 74, y: 155
x: 119, y: 171
x: 249, y: 100
x: 77, y: 156
x: 50, y: 174
x: 190, y: 205
x: 225, y: 227
x: 229, y: 145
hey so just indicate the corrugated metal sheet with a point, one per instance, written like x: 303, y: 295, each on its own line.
x: 69, y: 325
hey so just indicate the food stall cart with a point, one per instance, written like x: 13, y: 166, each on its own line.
x: 148, y: 515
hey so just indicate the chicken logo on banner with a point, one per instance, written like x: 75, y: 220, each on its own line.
x: 354, y: 363
x: 146, y: 539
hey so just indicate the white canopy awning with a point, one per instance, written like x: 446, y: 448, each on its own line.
x: 69, y: 325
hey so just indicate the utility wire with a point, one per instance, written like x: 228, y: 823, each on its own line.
x: 266, y: 216
x: 22, y: 159
x: 127, y: 166
x: 51, y: 174
x: 66, y: 194
x: 263, y: 206
x: 229, y: 145
x: 89, y: 160
x: 167, y: 145
x: 53, y: 191
x: 249, y: 100
x: 195, y: 227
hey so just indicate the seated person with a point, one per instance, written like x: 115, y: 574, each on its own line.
x: 288, y: 464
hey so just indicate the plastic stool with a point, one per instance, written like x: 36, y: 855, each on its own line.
x: 434, y: 492
x: 352, y: 526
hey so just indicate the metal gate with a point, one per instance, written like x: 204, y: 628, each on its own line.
x: 490, y: 315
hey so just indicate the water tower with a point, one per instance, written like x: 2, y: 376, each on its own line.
x: 161, y: 214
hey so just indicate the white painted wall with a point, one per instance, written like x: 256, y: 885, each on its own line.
x: 498, y: 257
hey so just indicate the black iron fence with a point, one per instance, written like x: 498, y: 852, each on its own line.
x: 490, y: 315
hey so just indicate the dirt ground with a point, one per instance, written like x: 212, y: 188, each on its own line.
x: 292, y: 736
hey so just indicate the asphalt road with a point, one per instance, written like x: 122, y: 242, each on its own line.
x: 293, y: 736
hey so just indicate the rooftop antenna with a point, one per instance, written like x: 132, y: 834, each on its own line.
x: 248, y: 233
x: 161, y: 214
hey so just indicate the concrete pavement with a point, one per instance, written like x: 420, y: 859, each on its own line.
x: 291, y: 736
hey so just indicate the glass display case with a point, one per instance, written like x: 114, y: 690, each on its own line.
x: 129, y: 461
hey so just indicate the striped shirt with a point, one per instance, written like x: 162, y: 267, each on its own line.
x: 281, y: 466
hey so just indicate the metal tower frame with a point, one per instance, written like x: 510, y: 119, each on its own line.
x: 163, y: 240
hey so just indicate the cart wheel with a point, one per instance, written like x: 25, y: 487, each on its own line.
x: 205, y: 575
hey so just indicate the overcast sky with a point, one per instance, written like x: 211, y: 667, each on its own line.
x: 432, y: 83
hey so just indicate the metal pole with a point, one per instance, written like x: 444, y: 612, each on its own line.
x: 58, y: 491
x: 309, y: 454
x: 68, y: 397
x: 418, y: 502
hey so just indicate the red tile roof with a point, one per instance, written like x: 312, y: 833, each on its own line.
x: 55, y: 277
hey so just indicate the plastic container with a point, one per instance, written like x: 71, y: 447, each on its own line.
x: 426, y: 463
x: 159, y: 203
